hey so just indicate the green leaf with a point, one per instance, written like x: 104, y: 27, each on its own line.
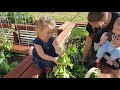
x: 13, y: 64
x: 73, y: 49
x: 79, y: 32
x: 5, y: 67
x: 66, y: 75
x: 1, y: 60
x: 60, y: 60
x: 67, y: 60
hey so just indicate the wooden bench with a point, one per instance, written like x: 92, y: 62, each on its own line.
x: 26, y: 68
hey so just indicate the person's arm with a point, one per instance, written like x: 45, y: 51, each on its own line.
x: 87, y: 46
x: 43, y: 55
x: 103, y: 39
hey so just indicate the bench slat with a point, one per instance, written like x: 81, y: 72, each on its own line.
x: 20, y: 68
x: 67, y: 31
x: 62, y: 27
x: 31, y: 72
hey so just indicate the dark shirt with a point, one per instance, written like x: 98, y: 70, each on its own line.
x: 97, y: 33
x: 47, y: 47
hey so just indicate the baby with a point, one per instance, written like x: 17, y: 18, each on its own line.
x: 106, y: 45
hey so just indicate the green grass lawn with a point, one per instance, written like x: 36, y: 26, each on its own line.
x: 77, y: 17
x: 63, y: 16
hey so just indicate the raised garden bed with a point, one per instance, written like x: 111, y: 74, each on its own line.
x: 11, y: 60
x: 26, y: 69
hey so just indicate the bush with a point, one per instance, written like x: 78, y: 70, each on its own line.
x: 17, y: 18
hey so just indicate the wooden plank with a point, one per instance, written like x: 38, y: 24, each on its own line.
x: 59, y: 23
x: 65, y: 33
x: 5, y: 25
x: 31, y: 72
x: 81, y: 24
x: 20, y: 68
x: 20, y: 49
x: 62, y: 27
x: 25, y: 27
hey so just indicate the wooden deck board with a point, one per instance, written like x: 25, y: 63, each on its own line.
x: 31, y: 72
x: 20, y: 68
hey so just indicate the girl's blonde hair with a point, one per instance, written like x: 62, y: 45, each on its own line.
x: 43, y: 22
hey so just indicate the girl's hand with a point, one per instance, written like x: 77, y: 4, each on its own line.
x: 55, y: 60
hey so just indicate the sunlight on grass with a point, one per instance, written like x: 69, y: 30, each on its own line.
x: 63, y: 16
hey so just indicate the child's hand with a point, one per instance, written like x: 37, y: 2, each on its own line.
x: 55, y: 60
x: 100, y: 44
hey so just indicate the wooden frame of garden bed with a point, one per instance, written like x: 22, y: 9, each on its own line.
x: 26, y: 68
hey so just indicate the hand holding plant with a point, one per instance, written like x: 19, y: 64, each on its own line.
x: 55, y: 60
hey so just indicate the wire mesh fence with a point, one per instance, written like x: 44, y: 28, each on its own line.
x: 23, y: 25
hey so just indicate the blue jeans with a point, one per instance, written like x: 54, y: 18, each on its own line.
x: 107, y: 47
x: 42, y: 64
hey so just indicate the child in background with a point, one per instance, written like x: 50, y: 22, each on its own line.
x: 107, y: 45
x: 46, y: 50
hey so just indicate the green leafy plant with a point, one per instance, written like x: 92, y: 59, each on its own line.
x: 20, y: 17
x: 78, y: 71
x: 60, y: 70
x: 74, y: 46
x: 94, y: 75
x: 5, y: 54
x: 5, y: 44
x: 17, y: 17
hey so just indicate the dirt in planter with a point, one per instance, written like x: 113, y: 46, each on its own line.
x: 16, y: 57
